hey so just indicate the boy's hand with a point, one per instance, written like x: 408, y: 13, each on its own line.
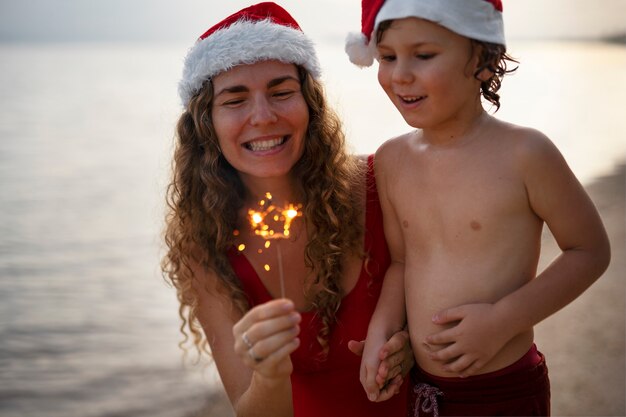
x: 370, y: 362
x: 396, y: 359
x: 472, y: 342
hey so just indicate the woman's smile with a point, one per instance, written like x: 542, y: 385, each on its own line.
x: 265, y: 144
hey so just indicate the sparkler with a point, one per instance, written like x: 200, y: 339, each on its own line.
x: 257, y: 219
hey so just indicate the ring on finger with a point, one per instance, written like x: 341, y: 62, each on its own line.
x: 245, y: 339
x: 253, y: 356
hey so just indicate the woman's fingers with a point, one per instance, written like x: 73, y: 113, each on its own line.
x: 396, y: 358
x: 391, y: 389
x: 263, y: 321
x: 262, y: 330
x: 276, y: 357
x: 267, y: 333
x: 263, y: 312
x: 390, y: 368
x: 274, y: 343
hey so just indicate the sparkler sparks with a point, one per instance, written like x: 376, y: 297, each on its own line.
x: 285, y: 215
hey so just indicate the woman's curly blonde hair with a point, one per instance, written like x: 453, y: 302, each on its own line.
x: 205, y: 195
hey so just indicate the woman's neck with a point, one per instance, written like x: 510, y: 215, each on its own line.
x: 282, y: 189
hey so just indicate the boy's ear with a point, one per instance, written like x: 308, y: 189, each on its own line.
x: 475, y: 63
x: 484, y: 75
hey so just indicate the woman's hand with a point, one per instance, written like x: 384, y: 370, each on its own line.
x: 396, y: 358
x: 266, y: 336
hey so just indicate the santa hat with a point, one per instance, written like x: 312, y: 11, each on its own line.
x: 260, y: 32
x: 475, y: 19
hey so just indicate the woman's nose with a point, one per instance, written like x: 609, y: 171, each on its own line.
x: 262, y: 112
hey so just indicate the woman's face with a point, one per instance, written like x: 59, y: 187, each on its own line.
x: 260, y: 117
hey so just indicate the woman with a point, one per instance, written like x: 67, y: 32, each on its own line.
x: 277, y: 318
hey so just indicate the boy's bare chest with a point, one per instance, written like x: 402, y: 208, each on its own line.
x: 460, y: 195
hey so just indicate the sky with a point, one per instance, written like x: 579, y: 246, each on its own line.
x: 185, y: 20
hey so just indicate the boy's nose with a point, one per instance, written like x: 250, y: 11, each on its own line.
x: 402, y: 74
x: 262, y: 112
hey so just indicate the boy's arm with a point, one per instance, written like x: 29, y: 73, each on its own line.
x: 556, y: 196
x: 396, y: 362
x: 390, y: 315
x: 388, y: 319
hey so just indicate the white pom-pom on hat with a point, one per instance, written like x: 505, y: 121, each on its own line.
x: 359, y: 50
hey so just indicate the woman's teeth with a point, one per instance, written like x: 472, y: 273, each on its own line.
x: 264, y: 145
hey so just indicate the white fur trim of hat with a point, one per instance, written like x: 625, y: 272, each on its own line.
x: 474, y: 19
x: 245, y: 41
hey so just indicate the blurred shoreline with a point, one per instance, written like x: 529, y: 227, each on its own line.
x: 616, y: 39
x: 584, y: 343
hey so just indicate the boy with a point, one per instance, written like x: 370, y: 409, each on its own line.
x: 464, y: 199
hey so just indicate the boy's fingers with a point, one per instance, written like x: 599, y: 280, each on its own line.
x: 446, y: 354
x: 448, y: 315
x: 460, y: 366
x: 442, y: 337
x: 371, y: 386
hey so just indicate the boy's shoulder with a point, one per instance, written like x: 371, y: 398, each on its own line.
x: 530, y: 148
x: 519, y: 138
x: 512, y: 131
x: 396, y: 144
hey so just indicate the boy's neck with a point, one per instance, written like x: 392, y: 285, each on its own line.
x: 456, y: 132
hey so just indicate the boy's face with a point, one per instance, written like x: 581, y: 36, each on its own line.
x: 428, y: 72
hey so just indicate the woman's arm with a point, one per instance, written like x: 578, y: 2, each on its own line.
x: 254, y: 387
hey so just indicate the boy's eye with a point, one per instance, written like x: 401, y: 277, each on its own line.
x: 425, y: 56
x: 387, y: 57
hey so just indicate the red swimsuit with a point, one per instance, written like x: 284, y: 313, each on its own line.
x: 331, y: 387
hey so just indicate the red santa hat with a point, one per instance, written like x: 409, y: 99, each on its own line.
x: 260, y: 32
x: 475, y: 19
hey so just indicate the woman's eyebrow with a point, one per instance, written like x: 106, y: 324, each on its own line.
x: 233, y: 89
x: 280, y: 80
x: 243, y: 89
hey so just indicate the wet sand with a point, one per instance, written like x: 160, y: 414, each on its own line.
x: 584, y: 343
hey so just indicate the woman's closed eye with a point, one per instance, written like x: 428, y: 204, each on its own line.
x: 233, y: 102
x: 283, y: 94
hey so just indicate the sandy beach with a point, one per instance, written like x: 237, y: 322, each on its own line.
x: 584, y: 343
